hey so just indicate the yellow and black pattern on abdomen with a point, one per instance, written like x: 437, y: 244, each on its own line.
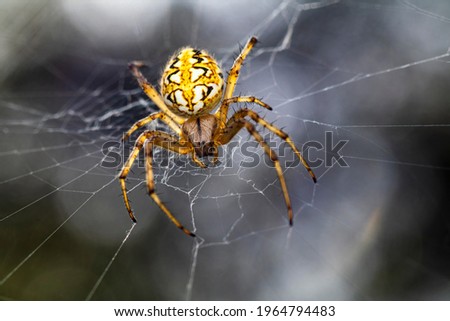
x: 192, y: 82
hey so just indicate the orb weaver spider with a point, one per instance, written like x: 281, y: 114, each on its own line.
x: 192, y: 86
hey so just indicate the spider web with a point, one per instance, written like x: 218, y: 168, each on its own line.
x: 373, y: 74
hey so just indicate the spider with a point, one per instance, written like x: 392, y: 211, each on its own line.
x: 192, y: 85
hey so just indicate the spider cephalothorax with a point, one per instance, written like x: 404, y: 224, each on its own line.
x: 200, y: 132
x: 191, y: 87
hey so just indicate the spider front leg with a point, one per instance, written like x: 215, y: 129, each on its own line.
x: 215, y: 153
x: 163, y: 140
x: 226, y: 136
x: 151, y: 189
x: 197, y: 160
x: 234, y: 125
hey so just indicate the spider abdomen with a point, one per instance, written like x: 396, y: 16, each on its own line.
x: 192, y: 83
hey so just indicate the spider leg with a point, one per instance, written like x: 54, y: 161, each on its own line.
x: 247, y: 99
x: 163, y: 140
x: 234, y: 125
x: 151, y: 92
x: 223, y: 139
x: 151, y: 188
x: 233, y: 77
x: 197, y: 160
x: 239, y: 99
x: 234, y: 71
x: 144, y: 121
x: 215, y: 153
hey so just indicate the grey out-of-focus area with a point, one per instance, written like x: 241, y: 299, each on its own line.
x: 373, y: 74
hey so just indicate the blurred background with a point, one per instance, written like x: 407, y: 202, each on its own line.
x: 373, y: 73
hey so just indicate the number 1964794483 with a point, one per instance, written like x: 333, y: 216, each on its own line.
x: 296, y: 310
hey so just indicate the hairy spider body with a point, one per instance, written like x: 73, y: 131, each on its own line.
x: 200, y: 130
x: 191, y: 87
x: 192, y: 83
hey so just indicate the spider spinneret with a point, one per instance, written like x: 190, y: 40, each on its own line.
x: 191, y: 86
